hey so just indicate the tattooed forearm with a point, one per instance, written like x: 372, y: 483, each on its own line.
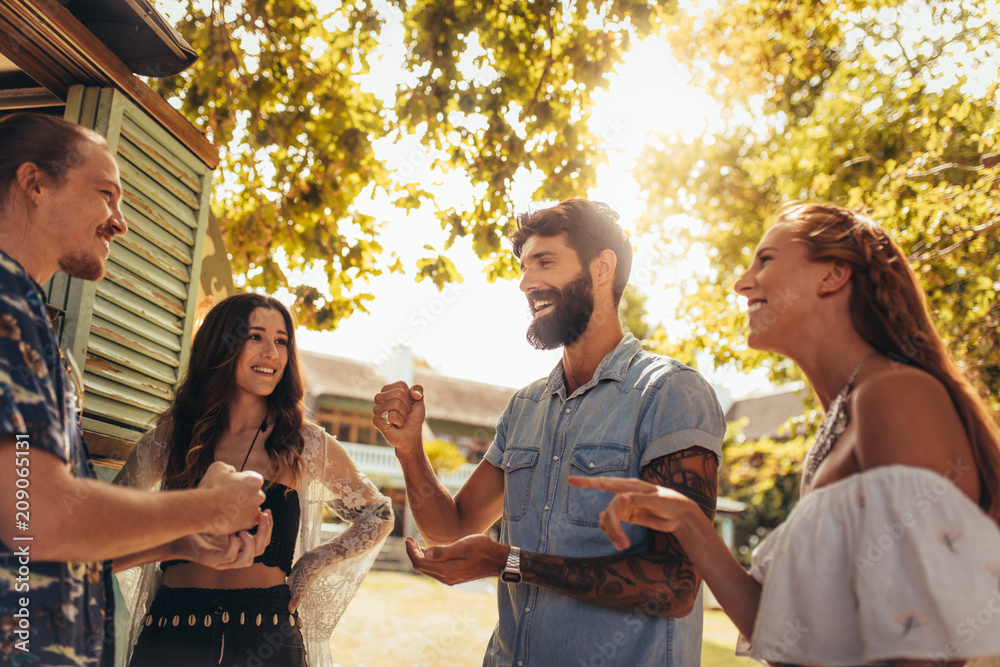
x: 693, y: 472
x: 653, y: 584
x: 660, y: 582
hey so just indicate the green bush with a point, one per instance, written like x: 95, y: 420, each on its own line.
x: 764, y: 474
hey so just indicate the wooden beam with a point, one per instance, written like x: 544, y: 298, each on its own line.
x: 49, y: 44
x: 107, y: 450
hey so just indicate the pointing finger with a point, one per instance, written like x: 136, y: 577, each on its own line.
x: 613, y: 484
x: 611, y: 523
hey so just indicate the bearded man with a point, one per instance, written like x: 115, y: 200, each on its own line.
x: 567, y: 596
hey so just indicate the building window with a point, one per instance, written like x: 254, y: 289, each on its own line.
x: 349, y: 426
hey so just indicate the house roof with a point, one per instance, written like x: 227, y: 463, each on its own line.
x: 448, y: 399
x: 137, y: 33
x: 767, y: 414
x: 48, y: 47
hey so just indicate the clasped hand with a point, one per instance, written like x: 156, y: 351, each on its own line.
x: 227, y: 552
x: 240, y: 496
x: 640, y: 503
x: 399, y: 414
x: 226, y: 543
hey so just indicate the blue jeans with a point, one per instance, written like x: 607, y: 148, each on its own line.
x: 247, y: 627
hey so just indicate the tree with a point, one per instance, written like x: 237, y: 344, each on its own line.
x: 846, y: 102
x: 633, y: 313
x: 497, y: 89
x: 764, y: 474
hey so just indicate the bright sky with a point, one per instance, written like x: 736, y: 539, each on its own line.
x: 475, y: 329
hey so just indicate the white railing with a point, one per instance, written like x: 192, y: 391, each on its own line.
x: 374, y: 461
x: 380, y: 462
x: 453, y: 481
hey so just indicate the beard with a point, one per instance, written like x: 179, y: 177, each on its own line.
x: 572, y: 307
x: 81, y: 265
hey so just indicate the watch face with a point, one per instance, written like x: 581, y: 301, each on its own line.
x: 510, y: 577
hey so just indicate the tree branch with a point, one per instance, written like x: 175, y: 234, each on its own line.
x: 854, y: 161
x: 973, y: 232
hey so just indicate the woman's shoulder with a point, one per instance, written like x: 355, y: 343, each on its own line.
x: 313, y: 435
x: 311, y: 429
x: 894, y: 383
x: 904, y: 415
x: 157, y: 438
x: 317, y: 441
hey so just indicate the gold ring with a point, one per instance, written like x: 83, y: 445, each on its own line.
x: 385, y: 416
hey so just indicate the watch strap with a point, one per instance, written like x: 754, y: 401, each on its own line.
x: 512, y: 569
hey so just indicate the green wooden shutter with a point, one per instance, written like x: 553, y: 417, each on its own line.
x: 130, y: 332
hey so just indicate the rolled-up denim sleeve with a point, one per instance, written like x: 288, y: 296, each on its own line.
x: 682, y: 413
x: 495, y: 452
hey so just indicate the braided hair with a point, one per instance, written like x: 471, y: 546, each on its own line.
x: 889, y: 311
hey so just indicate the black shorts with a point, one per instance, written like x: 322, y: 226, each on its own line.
x: 196, y: 627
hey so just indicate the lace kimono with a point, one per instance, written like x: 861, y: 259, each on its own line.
x: 324, y: 576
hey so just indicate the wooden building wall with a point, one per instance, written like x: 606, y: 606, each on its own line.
x: 130, y: 333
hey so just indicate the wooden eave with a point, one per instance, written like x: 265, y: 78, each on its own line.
x: 49, y: 44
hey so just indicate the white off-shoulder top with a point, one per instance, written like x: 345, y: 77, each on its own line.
x: 895, y: 562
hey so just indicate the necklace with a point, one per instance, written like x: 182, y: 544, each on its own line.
x: 263, y: 427
x: 833, y: 424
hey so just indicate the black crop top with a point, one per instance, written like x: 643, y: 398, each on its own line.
x: 285, y: 511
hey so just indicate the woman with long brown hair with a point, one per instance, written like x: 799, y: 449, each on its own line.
x: 277, y: 598
x: 893, y: 553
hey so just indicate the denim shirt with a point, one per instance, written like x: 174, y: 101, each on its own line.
x: 637, y: 407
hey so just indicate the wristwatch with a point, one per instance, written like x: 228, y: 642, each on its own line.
x: 512, y: 570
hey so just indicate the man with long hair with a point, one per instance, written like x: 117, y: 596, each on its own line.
x: 608, y: 408
x: 60, y: 196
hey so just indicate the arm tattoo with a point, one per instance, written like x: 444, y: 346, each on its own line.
x: 660, y: 582
x: 693, y: 472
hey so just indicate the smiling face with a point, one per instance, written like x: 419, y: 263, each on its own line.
x: 264, y: 354
x: 559, y: 290
x: 82, y: 215
x: 782, y: 288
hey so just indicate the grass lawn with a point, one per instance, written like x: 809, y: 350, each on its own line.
x: 402, y: 619
x: 399, y: 619
x: 719, y: 642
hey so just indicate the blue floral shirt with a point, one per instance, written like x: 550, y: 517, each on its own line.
x: 51, y: 613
